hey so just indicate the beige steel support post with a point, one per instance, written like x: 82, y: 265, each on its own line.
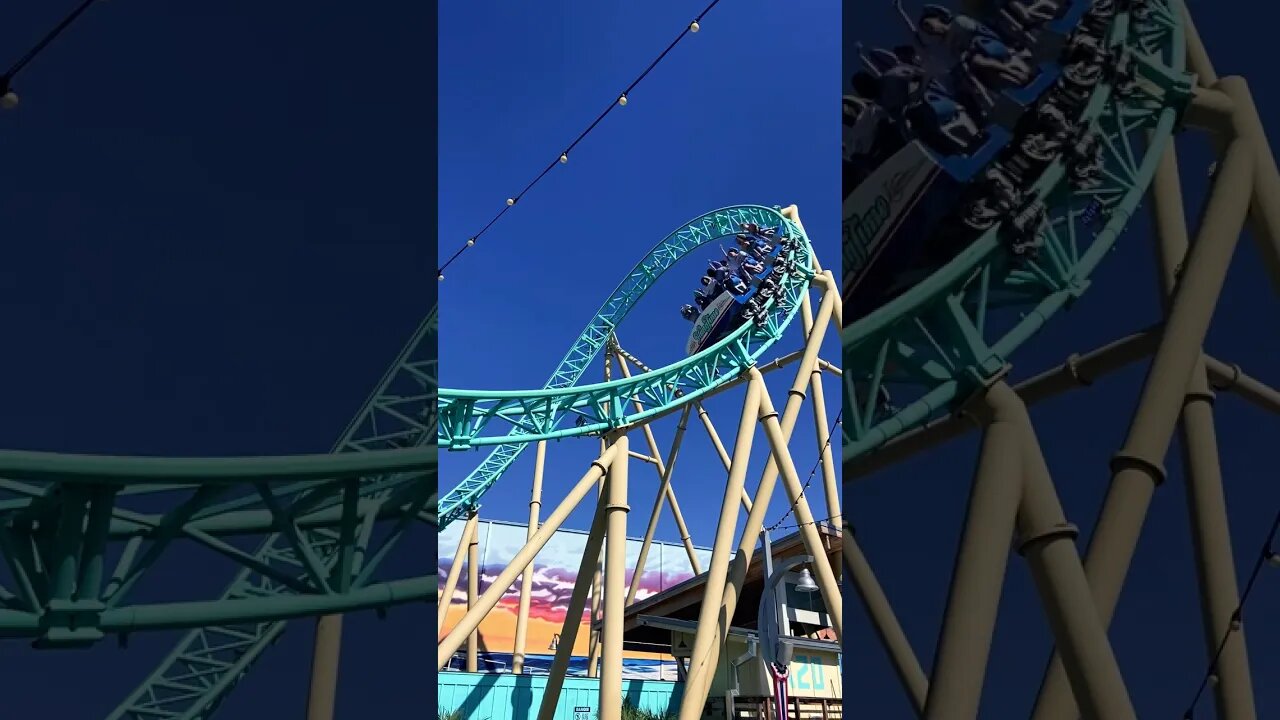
x: 597, y: 579
x: 823, y: 573
x: 828, y: 283
x: 1224, y: 377
x: 652, y: 527
x: 768, y: 479
x: 885, y: 623
x: 473, y: 592
x: 573, y: 617
x: 1138, y: 468
x: 665, y: 476
x: 960, y: 662
x: 322, y: 696
x: 830, y: 484
x: 702, y: 660
x: 1198, y: 60
x: 615, y: 569
x: 507, y: 577
x: 526, y: 577
x: 705, y: 417
x: 593, y: 628
x: 455, y: 571
x: 1047, y: 541
x: 1206, y: 497
x: 1264, y: 211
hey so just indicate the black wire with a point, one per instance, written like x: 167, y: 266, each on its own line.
x: 582, y: 135
x: 1268, y: 551
x: 44, y: 42
x: 834, y: 426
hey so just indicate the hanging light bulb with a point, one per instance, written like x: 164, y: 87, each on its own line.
x: 806, y: 584
x: 622, y: 100
x: 511, y: 201
x: 440, y: 277
x: 694, y: 26
x: 564, y: 158
x: 9, y: 100
x: 471, y: 241
x: 1273, y: 558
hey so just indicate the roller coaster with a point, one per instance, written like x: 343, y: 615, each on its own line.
x: 769, y: 284
x: 981, y: 194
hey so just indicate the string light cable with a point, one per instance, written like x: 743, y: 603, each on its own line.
x: 563, y: 156
x: 1269, y: 555
x: 812, y: 472
x: 9, y: 98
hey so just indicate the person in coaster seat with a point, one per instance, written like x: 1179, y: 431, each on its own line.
x: 897, y: 82
x: 996, y: 65
x: 689, y: 312
x: 1033, y: 13
x: 942, y: 37
x: 942, y: 122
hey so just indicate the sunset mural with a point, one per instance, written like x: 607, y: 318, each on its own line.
x: 554, y: 576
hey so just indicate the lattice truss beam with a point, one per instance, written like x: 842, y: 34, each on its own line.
x: 89, y: 544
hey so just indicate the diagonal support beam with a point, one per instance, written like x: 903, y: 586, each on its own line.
x: 1139, y: 466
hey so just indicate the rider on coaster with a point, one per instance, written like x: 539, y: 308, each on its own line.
x: 897, y: 82
x: 689, y: 312
x: 945, y: 38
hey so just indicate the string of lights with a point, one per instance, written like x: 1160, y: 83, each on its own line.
x: 1268, y: 555
x: 805, y: 488
x: 9, y: 98
x: 563, y: 156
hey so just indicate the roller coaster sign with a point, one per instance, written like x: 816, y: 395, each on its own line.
x: 870, y: 212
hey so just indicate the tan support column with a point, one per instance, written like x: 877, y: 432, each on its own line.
x: 473, y: 592
x: 615, y: 570
x: 526, y: 577
x: 455, y: 571
x: 1206, y: 496
x: 573, y: 616
x: 1138, y: 468
x: 322, y: 699
x: 702, y: 660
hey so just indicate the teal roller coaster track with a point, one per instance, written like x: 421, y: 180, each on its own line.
x: 954, y: 333
x: 475, y: 418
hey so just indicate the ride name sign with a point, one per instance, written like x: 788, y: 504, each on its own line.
x: 873, y: 211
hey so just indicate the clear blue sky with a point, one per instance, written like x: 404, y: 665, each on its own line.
x: 216, y: 242
x: 741, y: 112
x: 908, y: 518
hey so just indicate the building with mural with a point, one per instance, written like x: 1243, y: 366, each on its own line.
x: 554, y: 576
x: 659, y: 629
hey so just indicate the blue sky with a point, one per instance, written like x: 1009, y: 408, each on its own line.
x: 908, y: 517
x: 215, y: 244
x: 739, y: 113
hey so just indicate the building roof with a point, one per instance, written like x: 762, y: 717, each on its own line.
x: 690, y: 626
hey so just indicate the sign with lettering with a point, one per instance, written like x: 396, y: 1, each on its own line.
x: 873, y: 209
